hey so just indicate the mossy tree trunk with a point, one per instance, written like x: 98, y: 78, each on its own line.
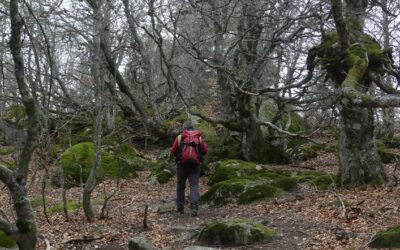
x: 359, y: 162
x: 25, y: 231
x: 250, y: 28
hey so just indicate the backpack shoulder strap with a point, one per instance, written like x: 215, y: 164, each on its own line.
x: 179, y: 139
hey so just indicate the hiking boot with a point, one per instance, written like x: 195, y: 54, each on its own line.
x: 180, y: 210
x: 194, y: 214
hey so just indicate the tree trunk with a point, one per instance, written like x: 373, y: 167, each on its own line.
x: 25, y: 231
x: 387, y: 129
x: 91, y: 181
x: 359, y: 162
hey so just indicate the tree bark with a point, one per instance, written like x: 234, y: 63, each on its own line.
x: 25, y: 231
x: 359, y: 162
x: 91, y: 181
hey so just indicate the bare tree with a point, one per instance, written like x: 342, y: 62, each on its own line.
x: 362, y: 63
x: 24, y: 231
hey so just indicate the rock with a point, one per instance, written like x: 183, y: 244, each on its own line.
x: 181, y: 229
x: 234, y: 232
x: 140, y: 243
x: 166, y: 208
x: 110, y: 247
x: 343, y: 235
x: 199, y: 248
x: 160, y: 175
x: 388, y: 238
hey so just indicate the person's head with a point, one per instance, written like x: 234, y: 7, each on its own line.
x: 188, y: 125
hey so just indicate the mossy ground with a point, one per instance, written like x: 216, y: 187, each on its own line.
x: 245, y: 182
x: 71, y: 206
x: 389, y: 238
x: 234, y: 232
x: 6, y: 241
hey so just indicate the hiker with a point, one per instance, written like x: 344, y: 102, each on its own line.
x: 189, y: 149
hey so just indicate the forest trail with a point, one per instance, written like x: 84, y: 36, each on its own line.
x: 304, y: 219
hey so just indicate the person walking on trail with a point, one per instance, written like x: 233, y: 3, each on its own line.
x: 189, y: 149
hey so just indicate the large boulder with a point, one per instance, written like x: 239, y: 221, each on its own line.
x: 77, y: 161
x: 234, y: 233
x: 140, y: 243
x: 245, y: 182
x: 160, y: 174
x: 388, y: 238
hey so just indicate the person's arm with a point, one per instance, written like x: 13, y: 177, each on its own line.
x: 174, y: 148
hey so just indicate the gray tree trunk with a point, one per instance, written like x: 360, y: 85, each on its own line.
x: 359, y: 162
x: 387, y: 129
x: 91, y: 181
x: 25, y: 231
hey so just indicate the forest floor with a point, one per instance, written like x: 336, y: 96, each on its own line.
x: 304, y: 219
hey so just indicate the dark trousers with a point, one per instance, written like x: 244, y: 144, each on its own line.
x: 193, y: 174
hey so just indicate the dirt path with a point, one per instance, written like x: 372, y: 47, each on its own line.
x: 304, y: 219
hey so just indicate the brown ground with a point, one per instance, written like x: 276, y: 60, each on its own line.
x: 304, y: 219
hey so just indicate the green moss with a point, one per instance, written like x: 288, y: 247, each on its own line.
x: 338, y: 64
x: 389, y: 238
x: 257, y: 191
x: 160, y: 174
x: 79, y: 159
x: 245, y: 190
x: 322, y: 181
x: 16, y: 115
x: 71, y: 206
x: 393, y: 142
x: 9, y: 163
x: 225, y: 191
x: 36, y: 202
x: 234, y: 232
x: 220, y: 143
x: 7, y: 150
x: 386, y: 156
x: 6, y: 241
x: 25, y: 226
x: 229, y: 169
x: 285, y: 182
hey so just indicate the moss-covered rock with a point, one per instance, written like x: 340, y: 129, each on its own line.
x: 234, y: 233
x: 6, y: 241
x: 78, y: 160
x: 321, y: 181
x: 386, y: 155
x: 16, y: 115
x: 393, y: 142
x: 388, y: 238
x: 160, y: 174
x: 258, y: 190
x: 229, y: 169
x: 220, y: 142
x: 245, y: 182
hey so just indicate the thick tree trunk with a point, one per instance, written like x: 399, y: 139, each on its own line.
x: 359, y: 162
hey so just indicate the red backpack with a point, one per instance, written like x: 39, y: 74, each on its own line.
x: 189, y: 144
